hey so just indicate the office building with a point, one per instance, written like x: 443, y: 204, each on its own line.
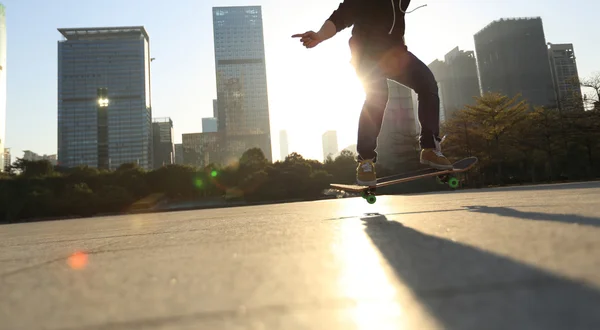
x: 242, y: 98
x: 565, y: 77
x: 209, y: 125
x: 2, y: 83
x: 512, y: 58
x: 283, y: 145
x: 215, y: 109
x: 162, y: 142
x: 104, y: 101
x: 330, y: 144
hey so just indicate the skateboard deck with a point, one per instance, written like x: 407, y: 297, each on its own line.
x: 444, y: 176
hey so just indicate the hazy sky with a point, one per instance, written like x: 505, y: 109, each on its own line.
x: 309, y: 90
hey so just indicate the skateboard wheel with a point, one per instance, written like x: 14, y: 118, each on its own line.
x: 371, y: 199
x: 453, y: 183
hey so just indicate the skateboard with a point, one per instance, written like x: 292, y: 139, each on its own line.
x: 443, y: 176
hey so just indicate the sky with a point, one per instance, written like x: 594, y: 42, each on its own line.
x: 310, y: 90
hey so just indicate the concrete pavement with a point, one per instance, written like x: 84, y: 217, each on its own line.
x: 512, y: 258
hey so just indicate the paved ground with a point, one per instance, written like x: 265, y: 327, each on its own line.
x: 519, y: 258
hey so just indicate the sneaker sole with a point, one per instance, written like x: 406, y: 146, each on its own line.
x: 437, y: 166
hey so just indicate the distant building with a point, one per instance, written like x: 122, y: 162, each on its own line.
x: 179, y: 154
x: 457, y: 79
x: 512, y: 58
x: 162, y: 142
x: 3, y: 50
x: 7, y: 159
x: 565, y: 77
x: 200, y: 149
x: 242, y: 98
x: 397, y: 139
x: 330, y: 144
x: 283, y: 145
x: 104, y: 102
x: 209, y: 125
x: 32, y: 156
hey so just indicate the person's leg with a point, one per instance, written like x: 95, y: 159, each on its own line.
x: 414, y: 74
x: 371, y: 117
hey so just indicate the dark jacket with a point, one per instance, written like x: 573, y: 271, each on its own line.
x: 378, y: 24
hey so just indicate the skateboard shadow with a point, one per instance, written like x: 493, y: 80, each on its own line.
x: 464, y: 287
x: 536, y: 216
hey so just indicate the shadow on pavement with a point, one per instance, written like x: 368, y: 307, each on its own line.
x: 464, y: 287
x: 537, y: 216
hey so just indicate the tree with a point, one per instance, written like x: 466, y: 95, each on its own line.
x: 592, y: 82
x: 486, y: 126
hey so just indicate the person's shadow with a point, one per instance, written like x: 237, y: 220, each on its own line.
x: 464, y: 287
x: 536, y: 216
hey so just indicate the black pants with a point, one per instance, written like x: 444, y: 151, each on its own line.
x: 406, y: 69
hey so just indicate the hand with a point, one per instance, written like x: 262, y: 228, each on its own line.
x: 309, y: 39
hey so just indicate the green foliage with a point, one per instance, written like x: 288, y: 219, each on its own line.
x: 39, y: 190
x: 516, y: 143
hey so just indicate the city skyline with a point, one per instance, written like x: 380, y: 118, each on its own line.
x: 289, y: 111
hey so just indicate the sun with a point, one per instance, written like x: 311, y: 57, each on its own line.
x: 319, y: 92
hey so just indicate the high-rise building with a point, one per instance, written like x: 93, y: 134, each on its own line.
x: 283, y: 145
x: 512, y: 58
x: 397, y: 140
x: 209, y: 125
x: 215, y: 109
x: 565, y: 77
x: 242, y: 98
x: 2, y: 83
x: 104, y: 101
x: 330, y: 144
x: 162, y: 142
x: 457, y: 80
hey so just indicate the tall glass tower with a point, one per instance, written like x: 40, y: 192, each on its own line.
x: 243, y: 107
x: 2, y: 83
x: 104, y: 101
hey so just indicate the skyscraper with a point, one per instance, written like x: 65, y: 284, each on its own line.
x: 2, y: 83
x: 104, y: 101
x: 283, y: 144
x: 565, y: 77
x: 330, y: 144
x: 457, y: 79
x: 242, y: 98
x: 215, y: 109
x: 512, y: 58
x: 162, y: 142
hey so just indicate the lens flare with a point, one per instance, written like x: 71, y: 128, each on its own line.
x: 78, y: 260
